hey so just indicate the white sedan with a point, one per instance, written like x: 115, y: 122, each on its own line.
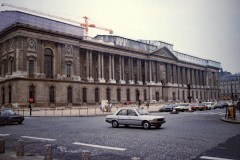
x: 136, y: 117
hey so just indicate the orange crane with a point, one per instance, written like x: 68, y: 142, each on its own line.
x: 84, y: 25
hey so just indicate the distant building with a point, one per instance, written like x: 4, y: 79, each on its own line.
x: 55, y: 64
x: 230, y: 86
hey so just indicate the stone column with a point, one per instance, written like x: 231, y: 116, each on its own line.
x: 102, y: 67
x: 89, y: 66
x: 146, y: 71
x: 150, y: 72
x: 113, y: 69
x: 123, y: 70
x: 130, y: 71
x: 99, y: 67
x: 110, y: 68
x: 139, y: 74
x: 179, y: 73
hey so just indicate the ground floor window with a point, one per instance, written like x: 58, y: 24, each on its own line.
x: 3, y: 95
x: 69, y: 93
x: 108, y: 93
x: 137, y: 95
x: 97, y: 99
x: 84, y: 95
x: 157, y: 96
x: 51, y: 94
x: 128, y: 94
x: 145, y: 95
x: 32, y: 92
x: 118, y: 95
x: 9, y: 94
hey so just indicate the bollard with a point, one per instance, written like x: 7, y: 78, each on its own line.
x: 48, y: 154
x: 85, y: 155
x: 20, y: 148
x: 2, y: 146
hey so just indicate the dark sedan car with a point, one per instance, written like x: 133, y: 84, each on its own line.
x: 167, y: 108
x: 221, y: 105
x: 7, y: 116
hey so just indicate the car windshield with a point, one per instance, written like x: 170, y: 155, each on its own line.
x: 8, y: 112
x: 142, y: 112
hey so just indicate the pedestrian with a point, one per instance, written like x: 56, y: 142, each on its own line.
x: 110, y: 106
x: 147, y: 105
x: 100, y: 105
x: 238, y: 105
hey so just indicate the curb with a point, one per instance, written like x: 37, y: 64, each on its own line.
x: 230, y: 121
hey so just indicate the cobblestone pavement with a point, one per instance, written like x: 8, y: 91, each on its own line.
x: 186, y: 135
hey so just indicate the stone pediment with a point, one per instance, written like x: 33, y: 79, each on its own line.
x: 164, y: 52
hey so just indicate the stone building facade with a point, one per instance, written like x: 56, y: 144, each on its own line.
x: 230, y: 86
x: 53, y: 63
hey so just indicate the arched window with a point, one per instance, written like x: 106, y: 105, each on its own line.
x: 118, y: 95
x: 69, y: 94
x: 128, y: 94
x: 51, y: 94
x: 97, y: 99
x: 32, y: 92
x: 9, y: 94
x: 84, y: 95
x: 48, y: 63
x: 108, y: 92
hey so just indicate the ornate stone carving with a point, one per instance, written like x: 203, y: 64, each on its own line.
x: 164, y: 53
x: 31, y: 44
x: 12, y: 44
x: 68, y: 50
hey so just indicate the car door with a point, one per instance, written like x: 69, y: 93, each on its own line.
x: 133, y: 118
x: 122, y: 116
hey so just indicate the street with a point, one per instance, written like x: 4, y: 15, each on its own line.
x: 187, y: 135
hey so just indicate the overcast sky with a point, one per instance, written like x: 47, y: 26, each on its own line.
x: 207, y: 29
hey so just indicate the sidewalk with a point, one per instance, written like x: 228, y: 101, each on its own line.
x: 237, y: 119
x: 93, y: 110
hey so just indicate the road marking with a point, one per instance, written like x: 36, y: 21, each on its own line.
x: 3, y: 135
x: 98, y: 146
x: 38, y: 138
x: 214, y: 158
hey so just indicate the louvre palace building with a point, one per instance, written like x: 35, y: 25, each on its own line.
x: 55, y: 64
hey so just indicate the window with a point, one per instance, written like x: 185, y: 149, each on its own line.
x: 3, y: 95
x: 48, y: 63
x: 68, y: 70
x: 11, y: 66
x: 137, y: 95
x: 51, y: 94
x: 9, y: 94
x: 128, y: 94
x: 32, y: 92
x: 108, y: 93
x: 31, y: 68
x: 69, y: 94
x: 5, y: 68
x: 97, y: 99
x: 118, y: 95
x: 157, y: 96
x: 84, y: 95
x: 123, y: 112
x: 145, y: 95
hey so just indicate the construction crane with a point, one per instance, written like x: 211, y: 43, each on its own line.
x: 84, y: 25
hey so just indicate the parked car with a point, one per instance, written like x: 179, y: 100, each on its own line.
x: 210, y: 105
x: 221, y: 105
x: 135, y: 117
x: 198, y: 106
x: 167, y: 108
x: 7, y: 116
x: 182, y: 107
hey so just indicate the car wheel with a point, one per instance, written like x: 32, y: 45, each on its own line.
x: 146, y: 125
x: 20, y: 122
x: 115, y: 124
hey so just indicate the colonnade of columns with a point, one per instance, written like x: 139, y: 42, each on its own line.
x: 138, y: 71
